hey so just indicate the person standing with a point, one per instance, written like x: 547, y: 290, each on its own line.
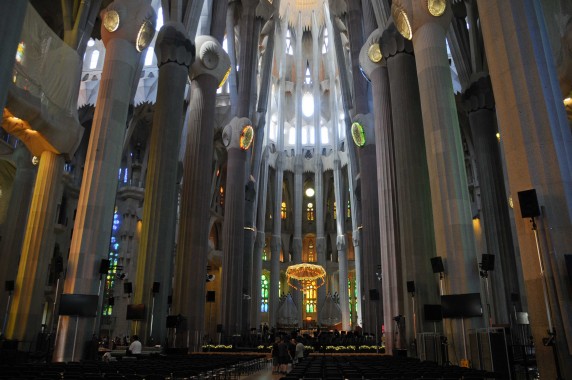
x: 275, y: 362
x: 283, y: 356
x: 299, y: 355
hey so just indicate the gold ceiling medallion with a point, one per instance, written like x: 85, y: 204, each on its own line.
x: 145, y: 35
x: 374, y: 53
x: 436, y: 7
x: 401, y: 21
x: 111, y: 20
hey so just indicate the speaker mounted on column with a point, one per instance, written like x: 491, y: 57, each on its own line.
x: 528, y: 203
x: 411, y: 287
x: 487, y: 262
x: 437, y: 264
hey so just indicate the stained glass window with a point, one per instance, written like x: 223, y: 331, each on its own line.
x: 264, y: 287
x: 113, y: 257
x: 283, y: 210
x: 310, y: 212
x: 310, y: 297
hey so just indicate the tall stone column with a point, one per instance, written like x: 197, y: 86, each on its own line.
x: 338, y: 180
x: 391, y: 277
x: 14, y: 228
x: 207, y: 72
x: 276, y: 244
x: 319, y: 190
x: 452, y: 219
x: 25, y: 320
x: 94, y: 217
x: 341, y: 243
x: 260, y: 173
x: 11, y: 21
x: 364, y: 138
x: 536, y: 143
x: 259, y: 243
x: 237, y: 137
x: 479, y: 101
x: 417, y: 240
x: 175, y: 54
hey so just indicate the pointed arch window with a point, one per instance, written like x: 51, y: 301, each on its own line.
x: 94, y: 59
x: 349, y: 210
x: 283, y: 210
x: 289, y: 48
x: 310, y: 211
x: 149, y: 56
x: 324, y: 136
x: 310, y: 296
x: 325, y: 45
x: 264, y: 285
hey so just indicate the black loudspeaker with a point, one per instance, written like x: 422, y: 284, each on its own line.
x: 410, y: 286
x: 210, y: 296
x: 104, y: 266
x: 515, y: 297
x: 127, y: 288
x: 111, y: 301
x: 373, y: 295
x: 487, y: 262
x: 528, y: 203
x: 218, y: 328
x: 9, y: 286
x: 169, y: 300
x: 156, y: 286
x: 173, y: 321
x: 437, y: 264
x: 568, y: 261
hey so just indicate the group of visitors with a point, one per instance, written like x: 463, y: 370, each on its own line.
x: 285, y: 352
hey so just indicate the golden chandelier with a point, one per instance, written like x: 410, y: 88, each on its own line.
x: 305, y: 275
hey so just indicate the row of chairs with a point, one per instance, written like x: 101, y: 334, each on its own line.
x: 380, y: 368
x: 195, y: 367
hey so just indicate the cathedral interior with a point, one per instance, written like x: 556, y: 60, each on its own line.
x: 196, y: 171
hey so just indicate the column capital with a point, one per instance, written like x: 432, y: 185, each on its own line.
x: 238, y: 134
x: 370, y: 56
x: 211, y: 59
x: 479, y: 95
x: 130, y: 20
x: 410, y: 15
x: 173, y: 45
x: 393, y: 43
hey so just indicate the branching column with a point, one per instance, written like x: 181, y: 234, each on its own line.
x: 94, y: 217
x: 207, y: 72
x: 449, y: 188
x: 237, y: 137
x: 479, y: 101
x: 364, y: 126
x: 536, y: 144
x: 414, y: 202
x: 27, y: 307
x: 13, y: 228
x: 175, y: 54
x: 319, y: 190
x: 391, y: 277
